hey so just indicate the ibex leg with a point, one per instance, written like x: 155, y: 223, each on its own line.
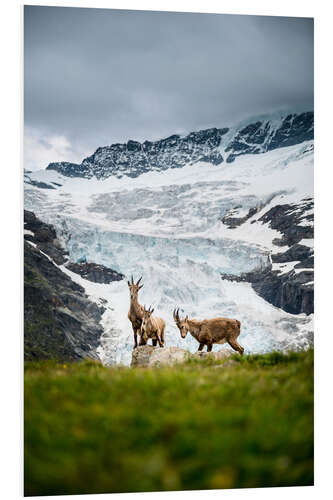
x: 135, y: 338
x: 142, y: 340
x: 154, y: 342
x: 209, y: 347
x: 201, y: 346
x: 162, y: 337
x: 159, y: 341
x: 235, y: 345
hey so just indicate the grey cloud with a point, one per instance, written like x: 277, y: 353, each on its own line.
x: 101, y: 76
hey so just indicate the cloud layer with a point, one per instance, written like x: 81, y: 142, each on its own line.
x: 41, y: 149
x: 95, y: 76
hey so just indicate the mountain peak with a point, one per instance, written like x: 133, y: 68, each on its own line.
x: 211, y: 145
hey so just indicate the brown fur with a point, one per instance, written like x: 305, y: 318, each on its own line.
x: 152, y: 328
x: 135, y: 313
x: 210, y: 331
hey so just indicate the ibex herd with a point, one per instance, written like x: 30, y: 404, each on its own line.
x: 206, y: 332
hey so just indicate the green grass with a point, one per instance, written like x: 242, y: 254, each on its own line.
x: 200, y: 425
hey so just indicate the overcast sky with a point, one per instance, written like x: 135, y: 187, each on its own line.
x: 93, y: 77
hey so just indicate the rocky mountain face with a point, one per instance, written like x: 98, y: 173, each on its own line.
x: 294, y: 221
x: 288, y: 282
x: 44, y: 237
x: 95, y: 272
x: 262, y: 136
x: 211, y: 145
x: 60, y: 322
x: 135, y: 158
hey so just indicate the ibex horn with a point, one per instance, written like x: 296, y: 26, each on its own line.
x: 139, y: 280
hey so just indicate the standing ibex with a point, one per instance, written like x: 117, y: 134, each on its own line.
x: 210, y: 331
x: 135, y: 313
x: 152, y: 328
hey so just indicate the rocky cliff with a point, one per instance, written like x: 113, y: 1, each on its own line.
x: 211, y: 145
x: 288, y: 282
x: 96, y: 273
x: 261, y: 136
x: 60, y: 322
x: 135, y: 158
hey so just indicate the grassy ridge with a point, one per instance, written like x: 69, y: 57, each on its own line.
x: 201, y: 425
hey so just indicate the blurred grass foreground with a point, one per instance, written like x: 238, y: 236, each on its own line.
x: 200, y: 425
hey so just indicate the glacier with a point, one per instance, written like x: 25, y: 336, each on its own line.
x: 167, y: 227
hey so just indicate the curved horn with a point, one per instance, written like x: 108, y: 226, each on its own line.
x: 132, y: 282
x: 138, y: 281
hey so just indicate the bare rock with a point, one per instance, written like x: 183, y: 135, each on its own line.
x: 232, y: 220
x: 134, y: 158
x: 147, y: 355
x: 96, y: 273
x: 44, y: 236
x: 60, y: 322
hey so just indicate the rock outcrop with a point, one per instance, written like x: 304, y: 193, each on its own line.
x: 44, y: 237
x: 150, y: 356
x: 261, y: 136
x: 293, y: 292
x: 147, y: 355
x: 60, y: 322
x: 95, y: 272
x: 232, y: 218
x: 288, y: 282
x: 293, y: 220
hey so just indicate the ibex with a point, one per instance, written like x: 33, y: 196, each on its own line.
x: 135, y: 313
x: 152, y: 328
x: 210, y: 331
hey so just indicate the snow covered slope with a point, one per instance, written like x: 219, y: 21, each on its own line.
x: 180, y: 228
